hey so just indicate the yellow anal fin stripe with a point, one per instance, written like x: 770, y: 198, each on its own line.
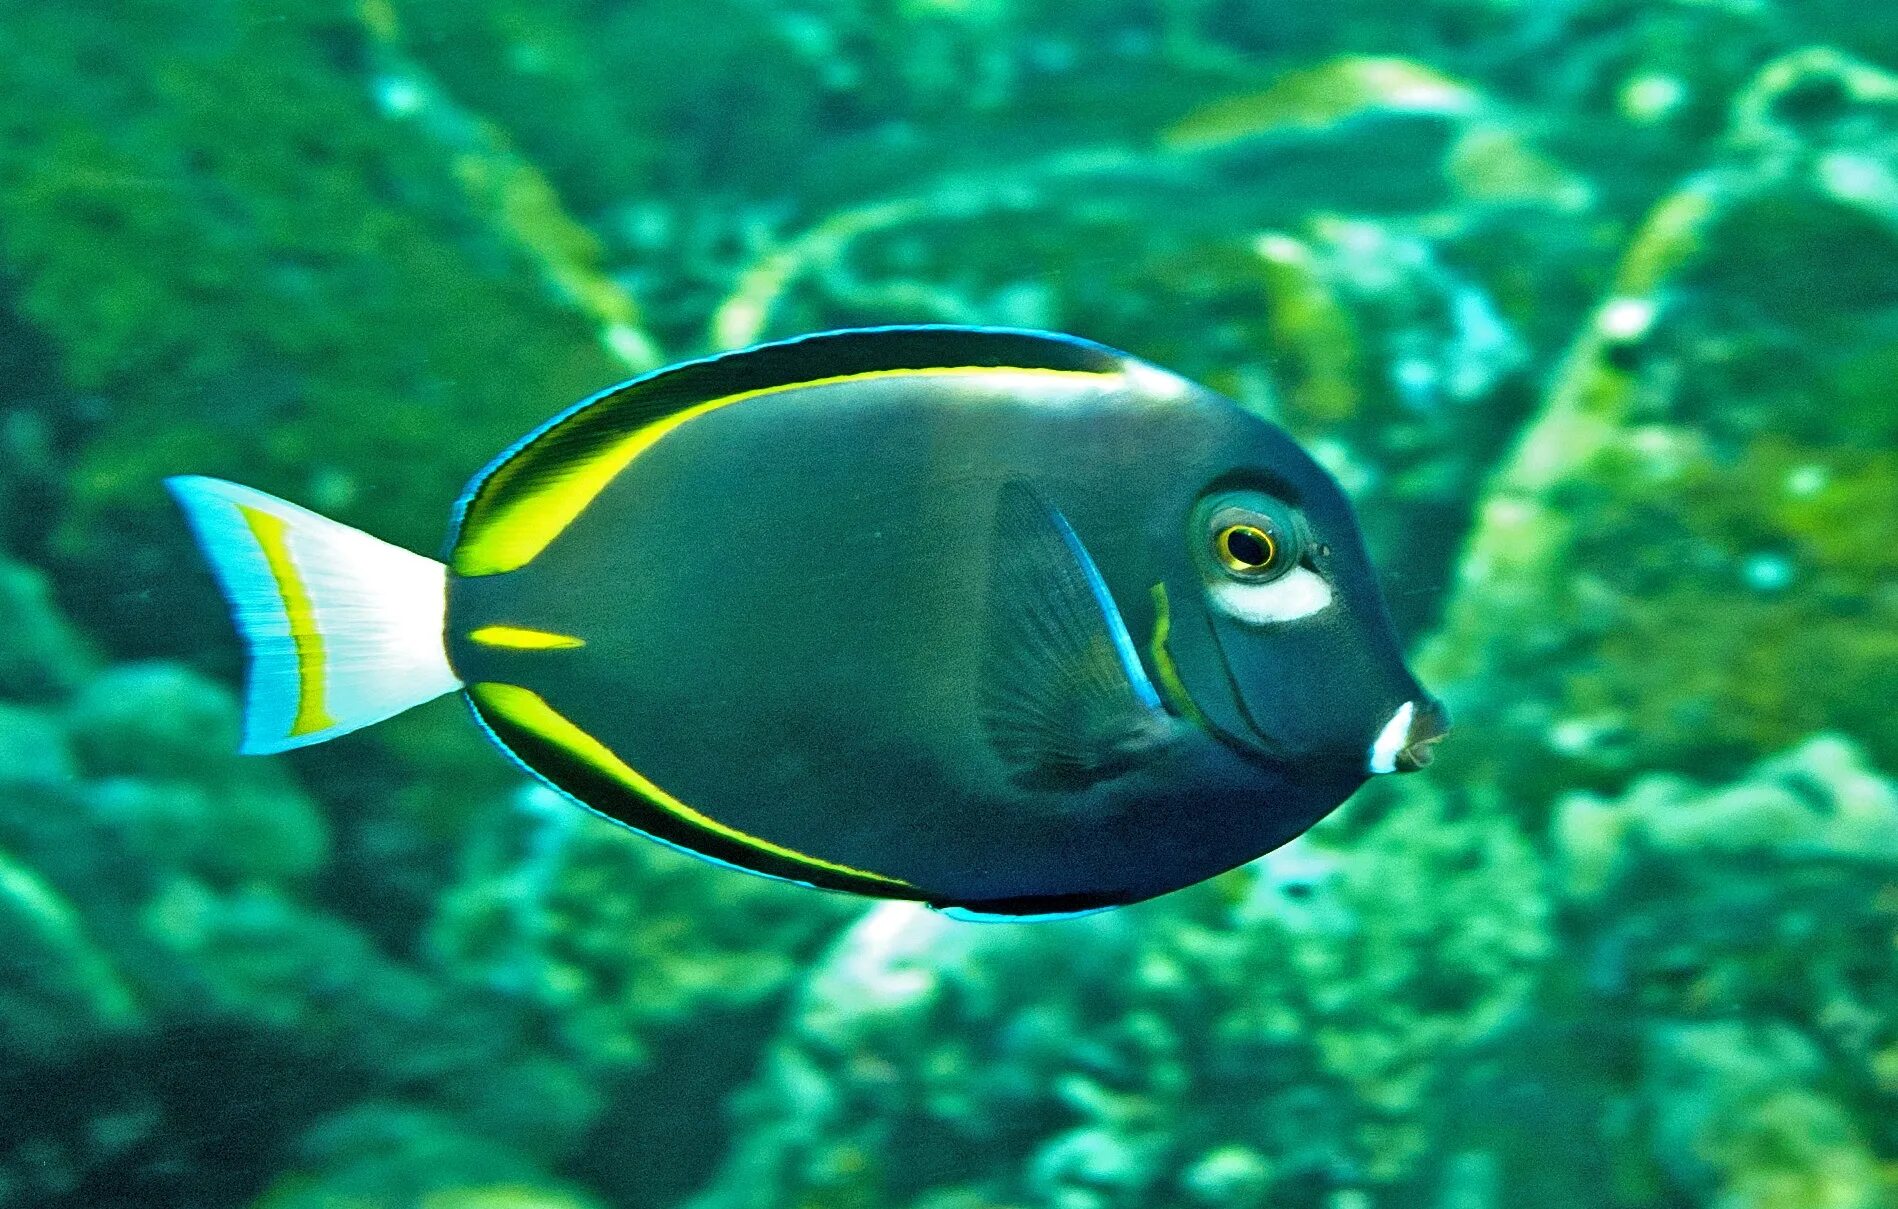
x: 273, y: 538
x: 1171, y: 686
x: 529, y: 711
x: 520, y: 638
x: 523, y: 527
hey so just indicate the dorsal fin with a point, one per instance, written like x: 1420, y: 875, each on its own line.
x: 527, y: 496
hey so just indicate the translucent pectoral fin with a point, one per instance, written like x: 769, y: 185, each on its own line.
x: 1065, y: 701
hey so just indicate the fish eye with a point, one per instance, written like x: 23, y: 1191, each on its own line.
x: 1251, y: 544
x: 1245, y: 549
x: 1250, y: 547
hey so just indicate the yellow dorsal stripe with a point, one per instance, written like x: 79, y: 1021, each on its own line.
x: 273, y: 538
x: 530, y: 711
x: 522, y: 528
x: 520, y: 638
x: 1171, y: 685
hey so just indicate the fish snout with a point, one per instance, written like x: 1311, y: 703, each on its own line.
x: 1408, y: 741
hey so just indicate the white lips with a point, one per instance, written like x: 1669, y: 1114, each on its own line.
x: 1390, y: 740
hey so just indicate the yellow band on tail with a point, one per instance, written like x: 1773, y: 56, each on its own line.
x: 272, y: 536
x: 342, y: 630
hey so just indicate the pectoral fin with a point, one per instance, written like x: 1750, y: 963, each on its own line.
x: 1065, y: 700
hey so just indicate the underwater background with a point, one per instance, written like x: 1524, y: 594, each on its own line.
x: 1592, y: 305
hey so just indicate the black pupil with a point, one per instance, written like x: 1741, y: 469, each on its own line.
x: 1247, y: 547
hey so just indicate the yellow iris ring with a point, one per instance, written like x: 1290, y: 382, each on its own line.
x: 529, y: 710
x: 1240, y: 564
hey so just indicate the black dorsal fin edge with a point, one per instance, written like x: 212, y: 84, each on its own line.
x: 605, y: 417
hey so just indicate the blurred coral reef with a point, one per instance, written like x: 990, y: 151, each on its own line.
x: 1592, y: 306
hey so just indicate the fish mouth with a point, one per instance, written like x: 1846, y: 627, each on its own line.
x: 1408, y: 741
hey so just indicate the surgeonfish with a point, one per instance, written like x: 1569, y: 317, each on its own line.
x: 1006, y: 622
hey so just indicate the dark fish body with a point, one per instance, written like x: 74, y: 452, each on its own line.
x: 930, y: 613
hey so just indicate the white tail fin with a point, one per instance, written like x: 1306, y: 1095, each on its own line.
x: 343, y: 629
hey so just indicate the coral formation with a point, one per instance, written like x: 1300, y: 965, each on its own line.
x: 1734, y: 945
x: 1285, y: 1032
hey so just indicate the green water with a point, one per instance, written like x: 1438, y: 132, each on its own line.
x: 1592, y: 305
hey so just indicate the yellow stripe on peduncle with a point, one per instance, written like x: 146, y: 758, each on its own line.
x: 1171, y: 685
x: 520, y: 638
x: 530, y: 711
x: 273, y: 538
x: 523, y: 527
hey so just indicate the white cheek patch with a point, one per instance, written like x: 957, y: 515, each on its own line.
x: 1300, y: 592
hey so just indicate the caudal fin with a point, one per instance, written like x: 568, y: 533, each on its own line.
x: 343, y: 629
